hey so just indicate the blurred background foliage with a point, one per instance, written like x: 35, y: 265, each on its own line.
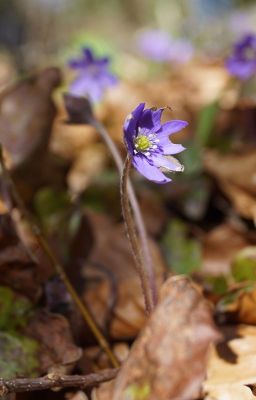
x: 38, y: 31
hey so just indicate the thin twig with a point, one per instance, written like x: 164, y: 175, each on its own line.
x: 55, y: 263
x: 132, y: 235
x: 135, y: 206
x: 52, y: 381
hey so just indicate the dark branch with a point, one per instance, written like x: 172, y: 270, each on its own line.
x: 51, y: 381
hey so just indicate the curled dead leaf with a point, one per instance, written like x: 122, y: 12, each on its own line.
x: 168, y: 360
x: 57, y: 350
x: 235, y: 173
x: 220, y: 245
x: 113, y: 289
x: 227, y: 377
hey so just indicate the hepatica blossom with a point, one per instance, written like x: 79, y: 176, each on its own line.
x: 158, y: 46
x: 93, y: 77
x: 242, y: 63
x: 148, y: 144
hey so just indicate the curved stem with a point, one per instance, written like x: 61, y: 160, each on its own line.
x: 135, y: 206
x: 132, y: 235
x: 56, y: 265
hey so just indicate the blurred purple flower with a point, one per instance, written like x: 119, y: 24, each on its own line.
x: 148, y: 144
x: 154, y: 45
x: 239, y: 21
x: 158, y: 46
x: 242, y: 63
x: 181, y: 51
x: 93, y: 78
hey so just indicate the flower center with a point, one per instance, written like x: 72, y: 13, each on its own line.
x: 142, y: 143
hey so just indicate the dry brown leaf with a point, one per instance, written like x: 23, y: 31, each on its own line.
x: 79, y: 395
x: 90, y: 163
x: 220, y: 245
x: 154, y: 214
x: 231, y: 392
x: 69, y: 140
x: 235, y: 173
x: 17, y: 267
x: 244, y: 203
x: 245, y: 306
x: 57, y: 350
x: 168, y: 360
x: 113, y: 289
x: 226, y: 378
x: 26, y: 116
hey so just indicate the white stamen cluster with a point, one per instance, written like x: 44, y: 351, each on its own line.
x: 145, y: 144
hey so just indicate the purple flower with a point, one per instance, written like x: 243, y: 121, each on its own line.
x: 242, y: 63
x: 158, y: 46
x: 93, y: 78
x: 154, y: 44
x: 148, y: 144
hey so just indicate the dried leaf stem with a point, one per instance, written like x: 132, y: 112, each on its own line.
x: 55, y: 263
x: 136, y: 209
x: 132, y: 235
x: 55, y: 381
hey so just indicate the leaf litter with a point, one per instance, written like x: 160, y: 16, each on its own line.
x: 201, y: 227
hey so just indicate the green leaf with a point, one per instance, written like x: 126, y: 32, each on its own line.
x: 137, y: 392
x: 244, y: 265
x: 183, y: 253
x: 51, y: 207
x: 192, y: 159
x: 205, y: 123
x: 219, y: 284
x: 14, y: 310
x: 18, y: 356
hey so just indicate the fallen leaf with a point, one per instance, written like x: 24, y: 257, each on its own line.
x: 235, y: 173
x: 220, y: 245
x: 227, y: 378
x: 244, y: 306
x: 57, y: 348
x: 168, y: 360
x: 18, y: 355
x: 26, y: 116
x: 113, y: 289
x: 79, y: 395
x: 17, y: 269
x: 154, y: 214
x: 90, y: 163
x: 231, y: 392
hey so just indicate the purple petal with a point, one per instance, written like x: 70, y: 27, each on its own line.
x: 131, y: 122
x: 151, y: 120
x: 156, y: 117
x: 150, y: 172
x: 243, y: 69
x: 146, y: 120
x: 170, y: 164
x: 88, y: 54
x: 171, y: 127
x: 172, y: 148
x: 168, y: 147
x: 130, y: 126
x: 83, y: 86
x: 154, y: 44
x: 106, y: 78
x: 103, y: 62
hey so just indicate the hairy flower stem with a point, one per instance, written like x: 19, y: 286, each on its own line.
x: 132, y: 235
x: 136, y: 209
x: 56, y: 265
